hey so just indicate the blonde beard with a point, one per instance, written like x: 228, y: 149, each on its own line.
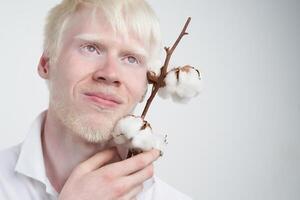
x: 84, y: 126
x: 80, y: 125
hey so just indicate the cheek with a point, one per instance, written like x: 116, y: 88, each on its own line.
x: 65, y: 76
x: 74, y: 69
x: 137, y: 84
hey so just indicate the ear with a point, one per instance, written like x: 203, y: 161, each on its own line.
x: 43, y: 66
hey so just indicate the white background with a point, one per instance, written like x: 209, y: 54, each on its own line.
x: 239, y: 139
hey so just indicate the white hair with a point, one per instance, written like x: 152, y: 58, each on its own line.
x: 124, y: 16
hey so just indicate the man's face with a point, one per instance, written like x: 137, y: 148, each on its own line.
x: 98, y: 78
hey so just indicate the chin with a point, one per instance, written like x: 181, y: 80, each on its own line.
x: 93, y: 127
x: 92, y: 131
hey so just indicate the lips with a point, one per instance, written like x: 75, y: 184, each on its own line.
x: 103, y: 100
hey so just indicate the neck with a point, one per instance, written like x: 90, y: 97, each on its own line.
x: 63, y: 150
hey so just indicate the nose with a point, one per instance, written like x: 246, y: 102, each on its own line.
x: 108, y: 73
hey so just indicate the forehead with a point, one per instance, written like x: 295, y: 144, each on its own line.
x: 88, y: 20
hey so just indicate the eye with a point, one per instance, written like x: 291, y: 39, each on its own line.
x: 132, y: 60
x: 90, y: 48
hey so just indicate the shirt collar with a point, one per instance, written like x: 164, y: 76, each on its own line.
x: 31, y: 160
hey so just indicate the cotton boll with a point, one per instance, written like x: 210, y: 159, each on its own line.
x: 178, y: 99
x: 146, y: 130
x: 164, y: 93
x: 147, y: 141
x: 160, y: 142
x: 189, y: 84
x: 128, y: 126
x: 136, y: 133
x: 143, y: 141
x: 155, y: 66
x: 181, y: 84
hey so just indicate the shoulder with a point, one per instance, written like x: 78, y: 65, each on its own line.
x: 8, y: 159
x: 166, y: 191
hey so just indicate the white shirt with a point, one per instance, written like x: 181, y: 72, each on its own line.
x: 23, y: 175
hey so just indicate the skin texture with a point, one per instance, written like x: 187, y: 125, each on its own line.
x: 108, y: 66
x: 94, y: 179
x: 78, y: 125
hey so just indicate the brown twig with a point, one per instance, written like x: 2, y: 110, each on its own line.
x: 159, y: 82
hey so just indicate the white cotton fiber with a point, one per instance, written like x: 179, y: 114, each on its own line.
x: 128, y: 126
x: 143, y: 141
x: 134, y: 132
x: 182, y: 84
x: 178, y: 99
x: 164, y: 93
x: 160, y: 141
x: 155, y: 66
x: 189, y: 84
x: 147, y: 141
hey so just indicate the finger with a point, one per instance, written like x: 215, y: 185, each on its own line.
x: 139, y: 177
x: 132, y: 194
x: 133, y: 164
x: 98, y: 160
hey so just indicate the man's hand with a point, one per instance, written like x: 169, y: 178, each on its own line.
x: 98, y: 178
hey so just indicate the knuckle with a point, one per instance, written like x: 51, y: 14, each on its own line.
x: 118, y: 189
x: 107, y: 177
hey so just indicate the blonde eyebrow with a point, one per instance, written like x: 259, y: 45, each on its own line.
x: 94, y: 38
x: 89, y: 37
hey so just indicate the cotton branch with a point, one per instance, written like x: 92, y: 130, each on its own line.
x: 158, y: 82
